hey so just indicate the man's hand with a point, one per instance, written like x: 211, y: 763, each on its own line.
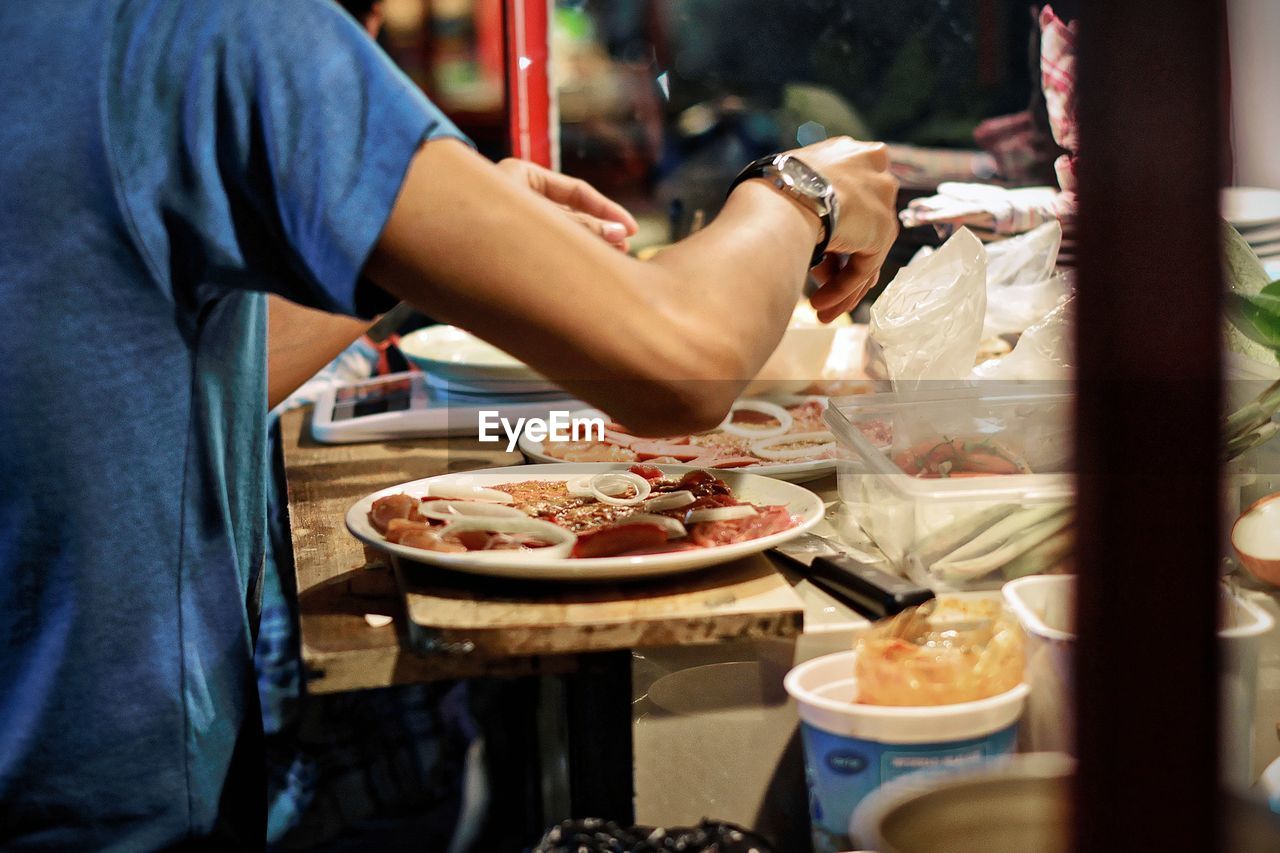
x: 581, y: 201
x: 867, y: 224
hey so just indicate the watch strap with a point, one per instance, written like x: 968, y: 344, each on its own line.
x: 759, y: 169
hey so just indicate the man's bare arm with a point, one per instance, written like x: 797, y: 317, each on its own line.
x: 664, y: 345
x: 300, y: 341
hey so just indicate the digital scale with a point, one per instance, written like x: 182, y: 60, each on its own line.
x: 406, y: 405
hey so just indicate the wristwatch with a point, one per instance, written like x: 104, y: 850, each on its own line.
x: 797, y: 179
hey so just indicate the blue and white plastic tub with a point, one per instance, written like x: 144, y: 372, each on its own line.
x: 850, y: 749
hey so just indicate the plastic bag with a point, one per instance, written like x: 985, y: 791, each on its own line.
x: 928, y: 321
x: 945, y: 651
x: 1013, y: 309
x: 1021, y: 283
x: 1025, y: 259
x: 1044, y: 352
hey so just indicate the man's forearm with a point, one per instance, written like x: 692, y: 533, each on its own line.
x: 675, y: 338
x: 745, y: 272
x: 301, y: 341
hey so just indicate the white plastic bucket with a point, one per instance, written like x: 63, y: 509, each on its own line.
x: 851, y: 748
x: 1044, y: 604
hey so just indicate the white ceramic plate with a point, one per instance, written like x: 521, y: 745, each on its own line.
x: 794, y: 472
x: 803, y: 504
x: 452, y: 355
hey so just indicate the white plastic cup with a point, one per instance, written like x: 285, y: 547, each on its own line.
x: 850, y: 749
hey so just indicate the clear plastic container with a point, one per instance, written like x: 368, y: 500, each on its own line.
x: 958, y: 529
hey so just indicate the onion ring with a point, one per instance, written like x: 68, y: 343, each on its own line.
x: 721, y: 513
x: 672, y: 526
x: 668, y: 500
x: 451, y: 510
x: 468, y: 492
x: 601, y: 482
x: 580, y: 487
x: 763, y: 447
x: 773, y: 410
x: 561, y: 540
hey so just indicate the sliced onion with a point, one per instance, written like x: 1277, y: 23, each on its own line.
x: 450, y: 510
x: 672, y: 526
x: 608, y: 485
x: 580, y: 487
x: 669, y: 500
x: 773, y: 410
x: 721, y: 513
x: 561, y: 540
x: 467, y: 492
x: 764, y: 447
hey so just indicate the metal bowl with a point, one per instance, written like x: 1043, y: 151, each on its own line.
x: 1011, y: 806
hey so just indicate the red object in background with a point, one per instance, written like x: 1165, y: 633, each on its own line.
x: 487, y: 21
x: 528, y: 79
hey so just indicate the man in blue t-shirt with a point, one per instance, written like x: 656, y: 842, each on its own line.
x: 165, y: 165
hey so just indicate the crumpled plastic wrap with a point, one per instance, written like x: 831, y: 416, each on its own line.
x: 1022, y: 286
x: 928, y: 322
x: 945, y: 651
x: 1044, y: 352
x: 1024, y: 259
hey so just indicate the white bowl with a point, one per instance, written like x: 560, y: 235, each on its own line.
x: 454, y: 357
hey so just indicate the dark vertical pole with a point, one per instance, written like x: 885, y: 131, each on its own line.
x: 601, y: 756
x: 1147, y: 429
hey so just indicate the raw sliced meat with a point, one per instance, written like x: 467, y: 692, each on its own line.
x: 653, y: 449
x: 384, y: 510
x: 768, y: 520
x: 725, y: 461
x: 612, y: 541
x: 587, y: 451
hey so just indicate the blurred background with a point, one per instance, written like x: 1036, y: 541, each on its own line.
x: 661, y: 102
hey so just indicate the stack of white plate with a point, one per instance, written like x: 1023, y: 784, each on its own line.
x: 1255, y: 213
x: 460, y: 365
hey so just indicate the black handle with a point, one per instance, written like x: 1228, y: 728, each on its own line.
x: 870, y: 591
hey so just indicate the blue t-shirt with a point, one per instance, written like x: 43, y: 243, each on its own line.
x: 164, y: 164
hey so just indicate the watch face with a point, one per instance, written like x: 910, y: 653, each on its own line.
x: 803, y: 178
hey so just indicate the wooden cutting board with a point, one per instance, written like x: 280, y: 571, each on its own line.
x: 465, y: 614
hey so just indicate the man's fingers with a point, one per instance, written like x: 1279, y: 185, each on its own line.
x: 844, y: 290
x: 848, y: 304
x: 611, y: 232
x: 582, y: 197
x: 572, y: 194
x: 826, y: 268
x: 856, y: 295
x: 835, y: 290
